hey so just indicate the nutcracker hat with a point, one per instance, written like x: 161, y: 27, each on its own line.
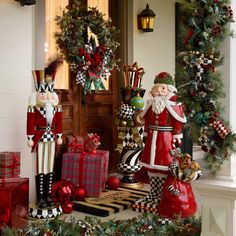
x: 39, y: 80
x: 42, y: 83
x: 164, y: 78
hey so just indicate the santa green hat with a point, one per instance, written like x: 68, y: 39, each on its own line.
x: 164, y: 78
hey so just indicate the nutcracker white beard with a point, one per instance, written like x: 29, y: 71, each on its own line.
x: 158, y: 104
x: 49, y: 112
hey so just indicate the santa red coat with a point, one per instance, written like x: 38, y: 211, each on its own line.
x: 37, y: 126
x: 160, y: 130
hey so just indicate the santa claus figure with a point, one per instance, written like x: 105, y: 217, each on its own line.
x: 163, y: 117
x: 44, y: 130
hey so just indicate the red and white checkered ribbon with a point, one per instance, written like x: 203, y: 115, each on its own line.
x: 221, y: 129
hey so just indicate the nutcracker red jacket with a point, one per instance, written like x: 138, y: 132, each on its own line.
x: 37, y: 124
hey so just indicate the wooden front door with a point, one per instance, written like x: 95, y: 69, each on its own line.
x: 92, y: 113
x: 100, y: 116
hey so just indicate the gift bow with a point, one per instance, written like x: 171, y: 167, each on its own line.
x: 95, y: 138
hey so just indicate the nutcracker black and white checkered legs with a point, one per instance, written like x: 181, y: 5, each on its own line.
x: 156, y: 186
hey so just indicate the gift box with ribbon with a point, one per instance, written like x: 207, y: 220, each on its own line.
x: 9, y: 164
x: 76, y: 144
x: 88, y: 170
x: 91, y: 142
x: 133, y: 75
x: 14, y: 201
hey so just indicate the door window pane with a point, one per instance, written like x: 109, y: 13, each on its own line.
x: 54, y: 8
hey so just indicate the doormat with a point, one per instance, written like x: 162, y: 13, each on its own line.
x: 110, y: 201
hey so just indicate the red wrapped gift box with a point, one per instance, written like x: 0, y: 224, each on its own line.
x: 14, y: 201
x: 89, y: 170
x: 75, y: 144
x: 9, y: 164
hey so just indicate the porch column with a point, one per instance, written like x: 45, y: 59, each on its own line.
x: 218, y: 193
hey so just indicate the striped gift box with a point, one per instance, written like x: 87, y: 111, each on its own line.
x: 9, y: 164
x: 89, y: 170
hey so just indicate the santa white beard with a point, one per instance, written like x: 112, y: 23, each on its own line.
x: 158, y: 104
x: 49, y: 112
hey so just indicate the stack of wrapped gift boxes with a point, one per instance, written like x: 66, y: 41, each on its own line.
x: 86, y: 166
x: 14, y: 192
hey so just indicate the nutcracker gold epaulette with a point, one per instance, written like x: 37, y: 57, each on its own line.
x: 30, y: 108
x: 58, y: 108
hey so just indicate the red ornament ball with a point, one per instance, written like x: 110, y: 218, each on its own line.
x: 67, y: 207
x: 65, y: 190
x: 48, y: 233
x: 113, y: 183
x: 55, y: 187
x: 79, y: 193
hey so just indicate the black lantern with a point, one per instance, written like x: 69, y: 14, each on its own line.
x: 146, y: 19
x: 26, y: 2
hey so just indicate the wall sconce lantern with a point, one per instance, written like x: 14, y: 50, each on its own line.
x: 26, y: 2
x: 146, y: 20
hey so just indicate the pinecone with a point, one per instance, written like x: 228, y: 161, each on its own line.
x: 208, y: 105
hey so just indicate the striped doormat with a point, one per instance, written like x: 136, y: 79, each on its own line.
x: 110, y: 201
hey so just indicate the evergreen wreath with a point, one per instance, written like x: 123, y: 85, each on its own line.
x: 203, y: 27
x: 91, y: 62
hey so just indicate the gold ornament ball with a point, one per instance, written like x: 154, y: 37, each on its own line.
x: 123, y: 123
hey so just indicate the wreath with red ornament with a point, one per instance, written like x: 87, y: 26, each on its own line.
x: 92, y: 60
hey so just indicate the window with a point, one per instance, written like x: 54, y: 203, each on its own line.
x: 54, y: 8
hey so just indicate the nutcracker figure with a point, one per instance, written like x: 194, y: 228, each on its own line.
x: 44, y: 130
x: 163, y: 117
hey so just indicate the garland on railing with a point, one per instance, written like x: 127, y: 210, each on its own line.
x: 203, y: 27
x: 146, y: 224
x: 92, y: 60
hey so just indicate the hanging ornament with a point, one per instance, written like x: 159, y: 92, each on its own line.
x: 199, y: 117
x: 137, y: 102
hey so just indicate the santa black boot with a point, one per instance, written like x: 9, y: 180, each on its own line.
x: 39, y: 180
x: 48, y: 189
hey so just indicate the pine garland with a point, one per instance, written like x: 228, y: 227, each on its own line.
x: 146, y: 224
x: 203, y: 27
